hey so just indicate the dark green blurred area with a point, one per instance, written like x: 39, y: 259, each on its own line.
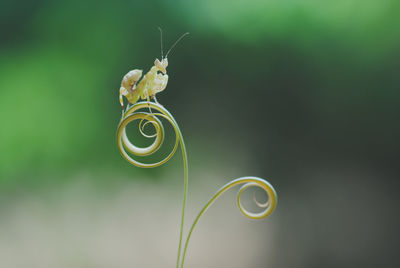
x: 313, y: 74
x: 291, y: 87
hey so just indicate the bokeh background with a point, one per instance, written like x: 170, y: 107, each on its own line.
x: 303, y: 93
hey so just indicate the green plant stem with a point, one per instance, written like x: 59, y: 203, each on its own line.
x: 248, y: 182
x: 126, y: 148
x: 185, y: 187
x: 133, y: 113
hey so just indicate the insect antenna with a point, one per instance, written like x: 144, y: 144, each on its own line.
x: 162, y: 53
x: 176, y: 42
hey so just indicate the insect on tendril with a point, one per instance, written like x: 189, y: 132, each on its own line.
x: 154, y: 116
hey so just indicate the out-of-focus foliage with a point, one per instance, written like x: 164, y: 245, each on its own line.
x: 61, y: 64
x: 353, y: 21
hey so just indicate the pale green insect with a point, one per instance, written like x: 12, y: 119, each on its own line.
x: 153, y: 82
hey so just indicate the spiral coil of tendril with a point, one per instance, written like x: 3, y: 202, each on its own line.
x: 127, y: 148
x: 132, y: 114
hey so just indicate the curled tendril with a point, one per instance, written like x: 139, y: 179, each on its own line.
x: 261, y: 205
x: 132, y: 114
x: 246, y: 182
x: 125, y: 146
x: 141, y: 129
x: 127, y: 149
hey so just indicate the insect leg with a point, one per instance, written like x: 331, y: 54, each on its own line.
x: 155, y: 99
x: 148, y: 103
x: 122, y: 92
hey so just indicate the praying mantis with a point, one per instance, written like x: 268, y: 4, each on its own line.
x: 153, y: 82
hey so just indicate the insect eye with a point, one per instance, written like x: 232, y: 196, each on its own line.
x: 165, y: 63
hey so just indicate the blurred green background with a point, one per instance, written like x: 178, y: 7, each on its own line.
x: 304, y: 93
